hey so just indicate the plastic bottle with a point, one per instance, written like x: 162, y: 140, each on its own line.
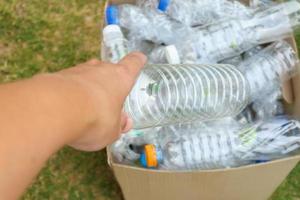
x: 267, y: 69
x: 275, y: 138
x: 166, y: 94
x: 164, y: 55
x: 191, y: 12
x: 230, y: 38
x: 115, y: 46
x: 151, y: 25
x: 195, y: 148
x: 223, y: 147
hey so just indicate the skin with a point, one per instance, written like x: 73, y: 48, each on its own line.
x: 80, y: 106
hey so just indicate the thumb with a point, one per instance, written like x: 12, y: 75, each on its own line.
x: 130, y: 67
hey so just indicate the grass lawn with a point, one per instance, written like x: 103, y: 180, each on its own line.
x: 46, y: 36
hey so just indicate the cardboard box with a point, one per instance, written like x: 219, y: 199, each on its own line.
x: 253, y: 182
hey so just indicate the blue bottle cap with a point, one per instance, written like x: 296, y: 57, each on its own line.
x: 143, y: 160
x: 163, y: 5
x: 112, y: 15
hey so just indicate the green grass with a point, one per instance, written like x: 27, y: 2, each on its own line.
x: 40, y: 36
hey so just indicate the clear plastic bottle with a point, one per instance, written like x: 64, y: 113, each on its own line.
x: 227, y: 39
x: 166, y: 94
x: 267, y: 69
x: 275, y: 138
x: 222, y: 147
x: 151, y: 25
x: 192, y: 13
x: 114, y: 45
x: 195, y: 148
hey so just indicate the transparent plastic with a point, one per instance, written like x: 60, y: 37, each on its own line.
x: 235, y: 61
x: 200, y: 147
x: 172, y: 55
x: 230, y: 38
x: 151, y: 25
x: 252, y: 52
x: 168, y: 94
x: 158, y: 55
x: 275, y: 138
x: 267, y: 69
x: 128, y: 148
x: 232, y: 145
x: 115, y: 46
x: 203, y: 12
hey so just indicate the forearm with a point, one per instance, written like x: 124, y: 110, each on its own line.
x: 38, y: 117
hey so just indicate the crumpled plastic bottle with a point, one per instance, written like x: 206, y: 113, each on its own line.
x: 266, y: 70
x: 205, y: 147
x: 151, y: 25
x: 203, y: 12
x: 275, y: 138
x: 230, y: 38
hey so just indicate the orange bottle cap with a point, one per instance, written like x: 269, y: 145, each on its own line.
x: 151, y: 157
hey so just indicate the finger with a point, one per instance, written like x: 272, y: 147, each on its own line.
x: 129, y: 125
x: 130, y: 67
x: 94, y: 62
x: 126, y: 123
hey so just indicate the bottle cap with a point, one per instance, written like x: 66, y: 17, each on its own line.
x: 143, y: 160
x: 163, y: 5
x: 112, y: 32
x: 151, y: 156
x: 112, y: 15
x: 172, y: 55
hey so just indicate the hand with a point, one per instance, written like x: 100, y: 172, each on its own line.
x: 106, y: 87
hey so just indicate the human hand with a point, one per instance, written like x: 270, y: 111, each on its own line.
x: 105, y: 87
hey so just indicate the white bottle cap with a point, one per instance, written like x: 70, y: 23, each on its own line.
x: 291, y: 7
x: 112, y: 32
x: 172, y: 55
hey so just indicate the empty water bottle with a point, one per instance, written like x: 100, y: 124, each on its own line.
x: 151, y: 25
x: 114, y: 44
x: 268, y: 68
x: 230, y: 38
x: 214, y: 147
x: 274, y: 138
x: 166, y: 94
x: 193, y: 13
x: 201, y: 149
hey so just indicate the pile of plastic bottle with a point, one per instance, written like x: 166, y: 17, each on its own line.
x: 210, y: 96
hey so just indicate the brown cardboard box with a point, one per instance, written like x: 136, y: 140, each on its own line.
x: 253, y: 182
